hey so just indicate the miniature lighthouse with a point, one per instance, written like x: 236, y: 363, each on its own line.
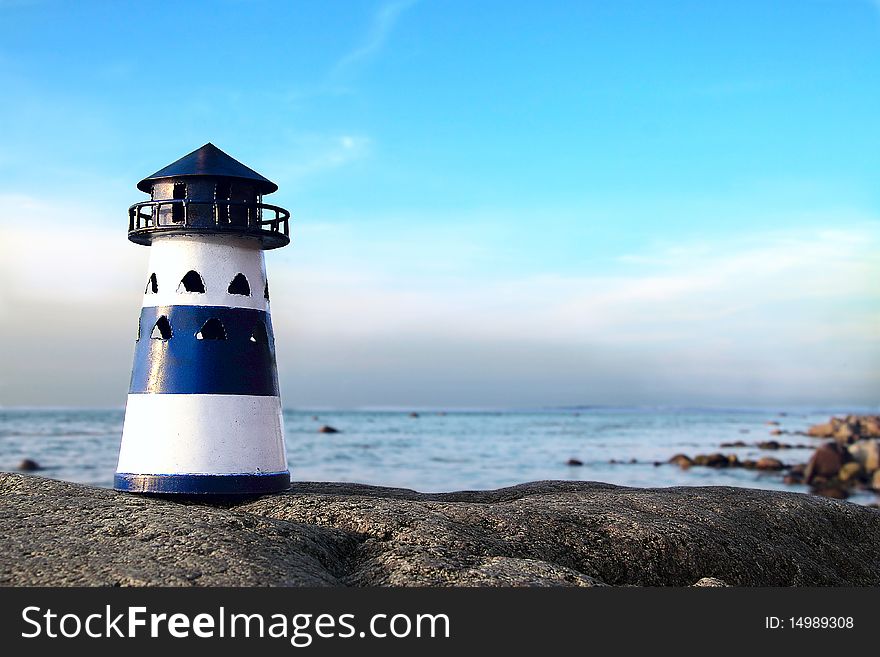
x: 203, y: 413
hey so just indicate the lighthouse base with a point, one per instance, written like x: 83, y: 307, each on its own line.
x: 203, y: 484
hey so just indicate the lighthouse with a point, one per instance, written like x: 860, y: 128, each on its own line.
x: 203, y: 415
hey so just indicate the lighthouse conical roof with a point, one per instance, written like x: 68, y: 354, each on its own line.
x: 209, y: 161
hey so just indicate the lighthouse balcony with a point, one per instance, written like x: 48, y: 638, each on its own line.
x: 248, y: 218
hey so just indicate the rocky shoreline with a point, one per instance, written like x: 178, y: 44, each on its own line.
x: 551, y: 533
x: 848, y: 462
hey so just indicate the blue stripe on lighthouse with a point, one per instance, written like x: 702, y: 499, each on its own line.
x: 184, y: 364
x: 203, y: 484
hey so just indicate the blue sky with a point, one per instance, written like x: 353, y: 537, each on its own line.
x: 496, y: 204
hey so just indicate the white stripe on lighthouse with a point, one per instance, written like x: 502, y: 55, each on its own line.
x: 202, y: 434
x: 217, y: 260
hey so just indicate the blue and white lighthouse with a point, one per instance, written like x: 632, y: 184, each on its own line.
x: 204, y: 412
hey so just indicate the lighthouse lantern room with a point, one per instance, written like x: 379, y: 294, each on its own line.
x: 204, y: 412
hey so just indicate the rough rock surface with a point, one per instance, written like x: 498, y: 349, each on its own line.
x: 710, y: 582
x: 543, y: 533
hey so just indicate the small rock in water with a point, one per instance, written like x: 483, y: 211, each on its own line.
x: 826, y: 461
x: 769, y: 444
x: 824, y: 430
x: 768, y: 463
x: 682, y: 460
x: 795, y: 474
x: 325, y: 428
x: 846, y: 434
x: 715, y: 460
x: 315, y: 417
x: 850, y: 471
x: 413, y: 414
x: 798, y: 469
x: 29, y: 465
x: 738, y: 443
x: 866, y: 452
x: 575, y: 462
x: 775, y: 432
x: 871, y: 426
x: 772, y: 423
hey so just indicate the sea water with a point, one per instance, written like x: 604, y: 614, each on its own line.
x: 457, y: 450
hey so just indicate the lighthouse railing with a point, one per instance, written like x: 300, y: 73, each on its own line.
x: 147, y: 217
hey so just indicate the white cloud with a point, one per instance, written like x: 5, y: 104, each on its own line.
x: 381, y: 27
x: 310, y: 156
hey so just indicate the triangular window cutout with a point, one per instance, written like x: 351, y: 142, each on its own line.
x: 266, y: 291
x: 212, y: 330
x: 192, y: 282
x: 259, y: 335
x: 152, y: 285
x: 240, y: 285
x: 162, y: 329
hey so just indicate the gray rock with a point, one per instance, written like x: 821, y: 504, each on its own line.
x: 56, y: 533
x: 847, y: 433
x: 768, y: 463
x: 867, y: 453
x: 537, y: 534
x: 848, y: 429
x: 825, y: 430
x: 871, y: 426
x: 715, y: 460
